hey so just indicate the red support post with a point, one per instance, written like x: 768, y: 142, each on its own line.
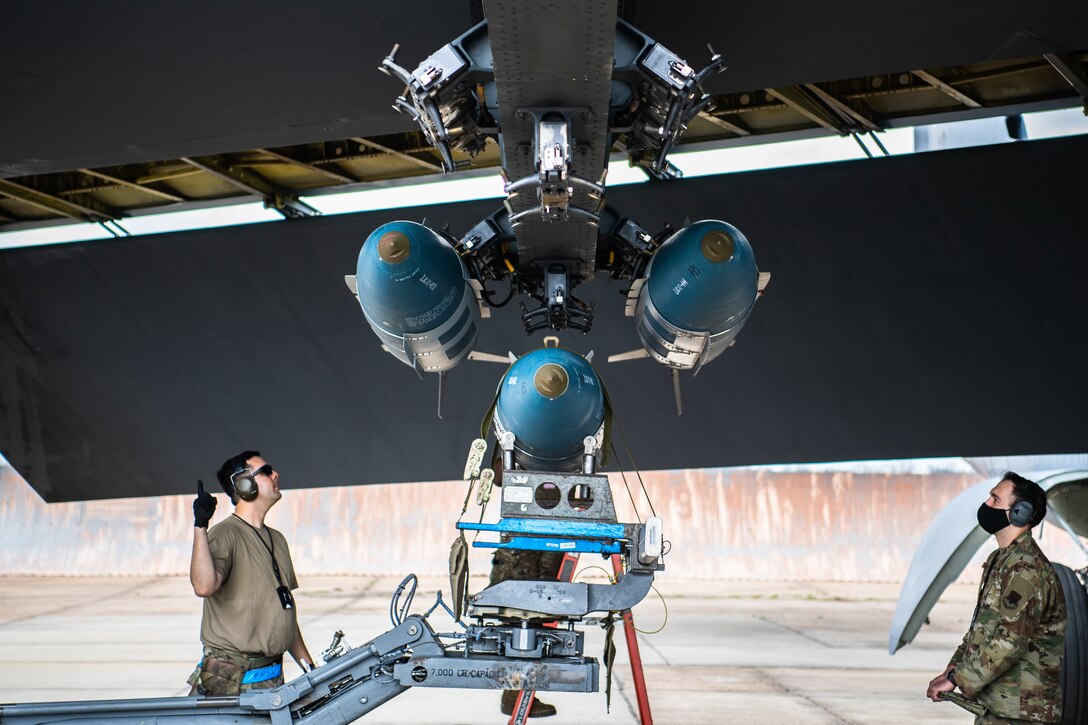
x: 632, y: 650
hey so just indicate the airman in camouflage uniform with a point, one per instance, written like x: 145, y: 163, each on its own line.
x: 522, y: 565
x: 1009, y: 662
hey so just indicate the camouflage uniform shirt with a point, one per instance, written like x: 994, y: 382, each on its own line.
x: 1011, y: 657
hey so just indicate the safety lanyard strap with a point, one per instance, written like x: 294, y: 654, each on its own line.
x: 271, y: 546
x: 468, y: 497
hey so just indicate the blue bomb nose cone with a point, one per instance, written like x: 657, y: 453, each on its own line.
x: 550, y: 399
x: 410, y: 279
x: 704, y: 277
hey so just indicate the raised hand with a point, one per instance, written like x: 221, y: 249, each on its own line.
x: 203, y: 506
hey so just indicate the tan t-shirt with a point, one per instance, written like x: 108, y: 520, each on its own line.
x: 245, y: 615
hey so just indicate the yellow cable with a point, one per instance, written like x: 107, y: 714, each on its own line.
x: 663, y: 604
x: 611, y: 578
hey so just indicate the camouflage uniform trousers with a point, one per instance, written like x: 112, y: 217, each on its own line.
x: 521, y: 565
x: 220, y: 672
x: 994, y: 720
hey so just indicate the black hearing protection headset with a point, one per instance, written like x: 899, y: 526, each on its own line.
x: 245, y: 487
x: 1021, y: 513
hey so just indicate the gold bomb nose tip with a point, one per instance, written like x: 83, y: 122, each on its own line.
x: 394, y: 247
x: 717, y: 246
x: 551, y: 380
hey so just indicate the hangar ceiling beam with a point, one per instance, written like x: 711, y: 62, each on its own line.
x: 945, y: 88
x: 167, y: 172
x: 131, y: 185
x: 399, y: 154
x: 1069, y: 73
x: 282, y: 201
x: 990, y: 73
x: 722, y: 123
x: 86, y: 209
x: 308, y: 166
x: 844, y: 108
x: 799, y: 100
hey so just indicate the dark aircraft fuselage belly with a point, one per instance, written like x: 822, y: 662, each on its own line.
x: 548, y: 58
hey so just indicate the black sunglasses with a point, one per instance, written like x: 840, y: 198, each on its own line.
x: 266, y: 470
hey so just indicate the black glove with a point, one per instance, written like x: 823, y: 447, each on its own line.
x: 203, y: 506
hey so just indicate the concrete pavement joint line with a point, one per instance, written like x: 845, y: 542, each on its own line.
x: 798, y: 632
x: 787, y: 598
x: 79, y: 605
x: 361, y: 595
x: 618, y: 684
x: 784, y: 689
x: 645, y: 640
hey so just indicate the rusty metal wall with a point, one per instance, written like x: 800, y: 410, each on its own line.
x: 722, y: 524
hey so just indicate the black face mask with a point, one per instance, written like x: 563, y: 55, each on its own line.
x: 992, y: 520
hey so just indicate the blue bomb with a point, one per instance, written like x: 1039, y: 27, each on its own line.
x: 413, y: 290
x: 550, y: 399
x: 701, y: 286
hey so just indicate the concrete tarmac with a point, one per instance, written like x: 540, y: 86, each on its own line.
x: 745, y: 652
